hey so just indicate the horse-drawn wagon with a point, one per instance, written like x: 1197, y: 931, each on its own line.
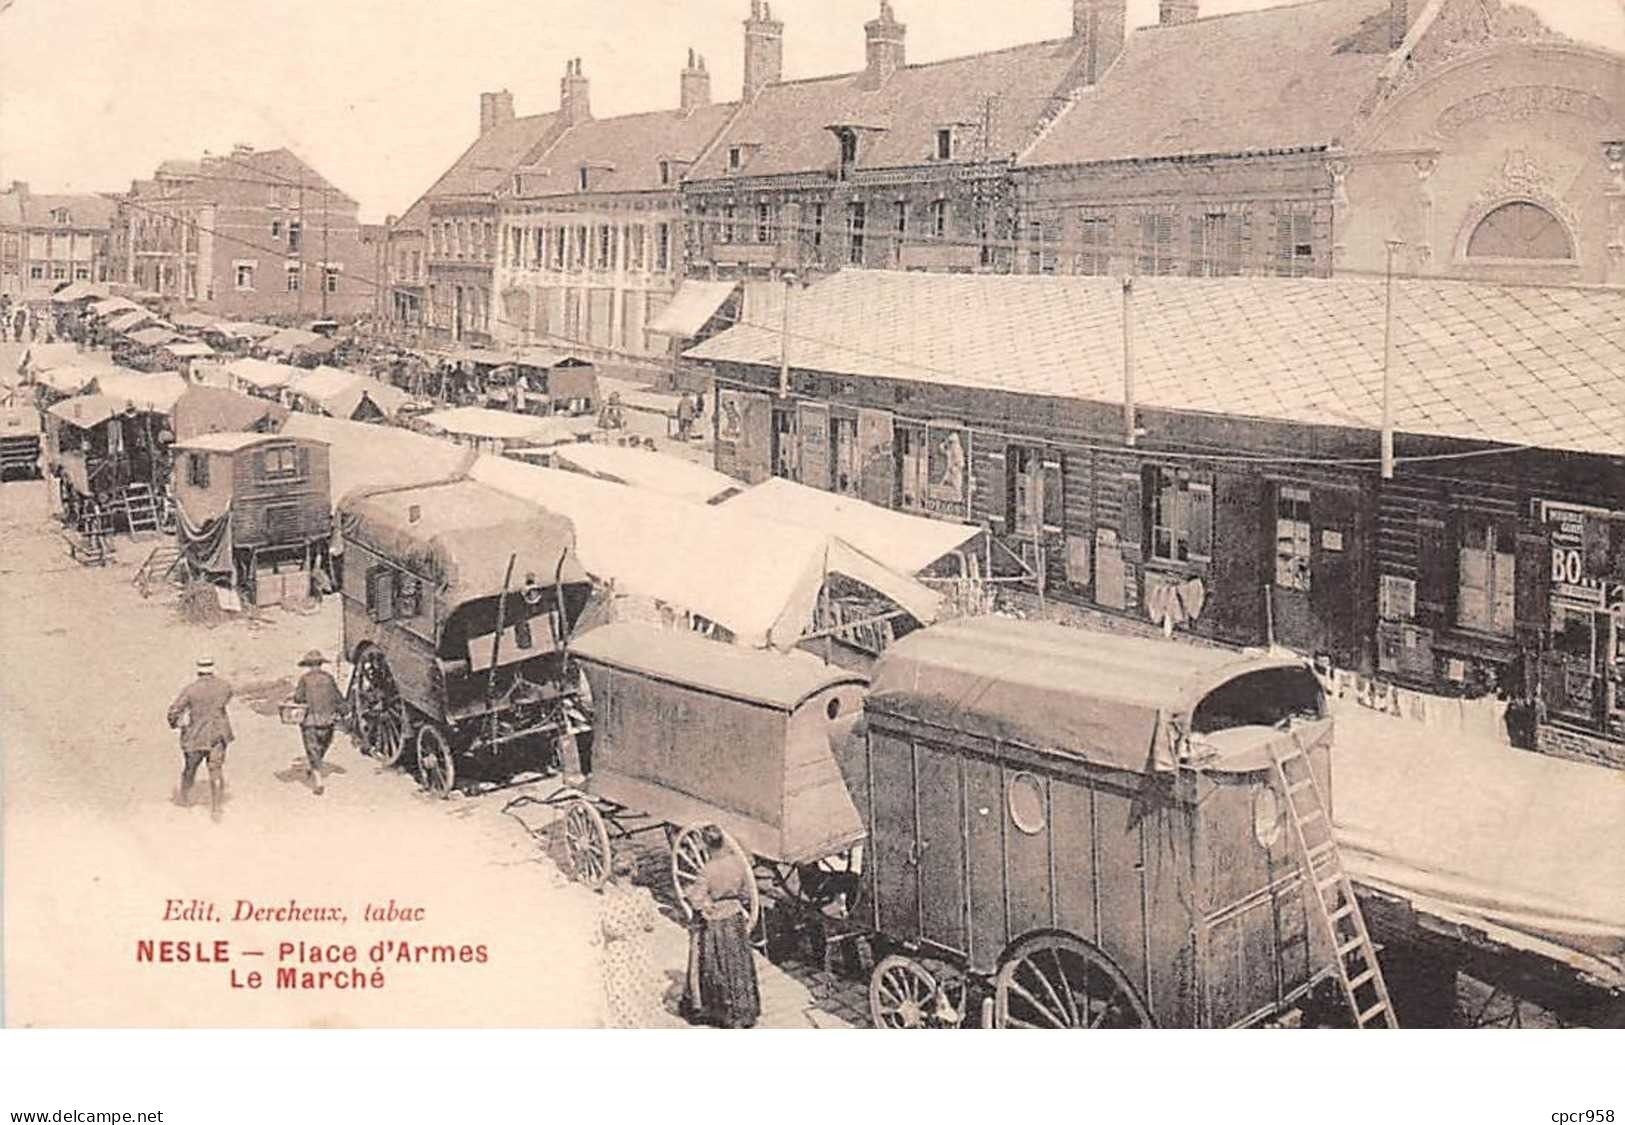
x: 690, y: 732
x: 457, y: 604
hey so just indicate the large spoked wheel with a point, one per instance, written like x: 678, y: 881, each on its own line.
x: 1054, y: 980
x: 586, y: 841
x: 689, y: 856
x: 905, y: 995
x: 381, y: 716
x: 436, y: 767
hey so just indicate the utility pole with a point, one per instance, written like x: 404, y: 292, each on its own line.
x: 1388, y: 365
x: 325, y: 260
x: 1131, y: 428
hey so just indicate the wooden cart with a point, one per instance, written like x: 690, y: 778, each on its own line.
x: 1072, y: 829
x: 458, y: 600
x: 690, y: 732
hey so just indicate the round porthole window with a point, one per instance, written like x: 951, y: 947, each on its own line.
x: 1266, y: 816
x: 1026, y: 800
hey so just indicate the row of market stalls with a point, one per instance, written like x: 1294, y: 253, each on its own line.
x: 332, y: 391
x: 534, y: 381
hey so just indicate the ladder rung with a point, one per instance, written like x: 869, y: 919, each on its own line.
x: 1364, y: 978
x: 1344, y: 950
x: 1329, y: 881
x: 1300, y: 787
x: 1321, y: 851
x: 1376, y: 1009
x: 1311, y: 816
x: 1340, y: 913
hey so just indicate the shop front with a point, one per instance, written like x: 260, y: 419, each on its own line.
x: 1583, y: 668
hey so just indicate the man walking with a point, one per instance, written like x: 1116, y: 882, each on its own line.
x: 199, y: 712
x: 319, y: 692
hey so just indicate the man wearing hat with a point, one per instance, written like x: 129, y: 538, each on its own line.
x: 324, y: 704
x: 199, y: 711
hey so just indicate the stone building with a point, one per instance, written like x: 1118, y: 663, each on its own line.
x: 589, y: 246
x: 47, y: 241
x: 248, y: 235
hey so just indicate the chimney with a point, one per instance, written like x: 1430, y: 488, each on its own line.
x: 495, y: 109
x: 764, y: 48
x: 1099, y: 27
x: 574, y: 105
x: 1401, y: 14
x: 1178, y: 11
x: 696, y: 84
x: 883, y: 48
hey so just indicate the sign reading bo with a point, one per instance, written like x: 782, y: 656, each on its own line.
x: 1588, y: 554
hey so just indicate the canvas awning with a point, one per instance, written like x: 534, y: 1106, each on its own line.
x: 323, y: 384
x: 261, y: 373
x: 126, y: 321
x: 690, y: 556
x: 113, y: 306
x: 286, y: 340
x: 695, y: 303
x: 156, y: 393
x: 209, y: 410
x: 322, y: 346
x: 907, y: 544
x: 188, y: 349
x: 79, y: 291
x: 71, y: 378
x: 478, y: 422
x: 360, y: 455
x: 152, y: 337
x: 43, y: 357
x: 657, y: 472
x: 545, y: 359
x: 252, y: 330
x: 193, y: 319
x: 86, y: 412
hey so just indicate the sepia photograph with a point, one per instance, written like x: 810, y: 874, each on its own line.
x: 813, y: 515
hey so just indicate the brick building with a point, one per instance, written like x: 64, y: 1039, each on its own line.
x: 1248, y: 505
x: 896, y: 165
x: 1298, y: 140
x: 590, y: 241
x: 47, y: 241
x: 250, y: 235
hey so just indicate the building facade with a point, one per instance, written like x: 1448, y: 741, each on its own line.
x: 250, y: 235
x: 893, y: 166
x: 47, y: 241
x: 590, y: 243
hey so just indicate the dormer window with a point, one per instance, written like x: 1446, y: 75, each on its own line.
x: 736, y: 158
x: 945, y: 144
x: 60, y: 217
x: 665, y: 171
x: 583, y: 178
x: 849, y: 150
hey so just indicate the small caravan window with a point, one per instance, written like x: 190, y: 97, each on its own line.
x: 197, y: 470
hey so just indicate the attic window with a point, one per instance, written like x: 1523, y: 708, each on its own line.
x: 736, y: 158
x: 60, y: 217
x: 665, y: 171
x: 849, y: 150
x: 582, y: 178
x: 945, y: 144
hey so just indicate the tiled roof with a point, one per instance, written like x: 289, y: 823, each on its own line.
x: 1280, y: 78
x: 277, y: 165
x: 83, y: 210
x: 625, y: 151
x: 787, y: 122
x: 1517, y: 365
x: 486, y: 165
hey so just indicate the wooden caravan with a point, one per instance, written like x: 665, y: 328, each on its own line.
x: 1096, y: 830
x: 20, y: 431
x: 108, y: 451
x: 558, y: 383
x: 252, y: 509
x: 690, y: 731
x: 458, y: 601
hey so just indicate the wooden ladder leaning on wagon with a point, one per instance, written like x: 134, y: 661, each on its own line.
x: 1329, y: 891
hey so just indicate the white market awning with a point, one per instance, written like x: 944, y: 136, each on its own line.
x: 694, y: 305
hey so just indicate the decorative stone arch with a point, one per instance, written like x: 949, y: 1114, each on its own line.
x: 1491, y: 205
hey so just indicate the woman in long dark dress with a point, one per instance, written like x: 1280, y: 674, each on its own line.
x: 721, y: 988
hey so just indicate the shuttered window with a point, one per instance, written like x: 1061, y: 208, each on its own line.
x: 1157, y: 244
x: 1486, y: 575
x: 1094, y: 246
x: 913, y: 467
x: 1181, y: 515
x: 1216, y: 248
x: 1294, y: 244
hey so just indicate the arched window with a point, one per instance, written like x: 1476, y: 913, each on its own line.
x: 1521, y: 230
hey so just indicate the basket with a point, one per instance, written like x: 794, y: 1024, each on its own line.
x: 292, y: 714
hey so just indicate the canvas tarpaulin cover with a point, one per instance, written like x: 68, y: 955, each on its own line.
x: 1095, y: 697
x: 206, y: 545
x: 760, y: 581
x: 1523, y: 847
x: 363, y: 456
x: 461, y: 535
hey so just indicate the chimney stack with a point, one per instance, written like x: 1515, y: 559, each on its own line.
x: 696, y: 84
x: 1178, y: 11
x: 884, y: 48
x: 1099, y: 27
x: 495, y: 109
x: 1401, y: 14
x: 764, y: 48
x: 574, y: 104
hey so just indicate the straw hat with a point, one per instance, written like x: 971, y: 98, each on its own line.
x: 312, y: 659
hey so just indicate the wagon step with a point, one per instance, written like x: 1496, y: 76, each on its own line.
x: 1354, y: 959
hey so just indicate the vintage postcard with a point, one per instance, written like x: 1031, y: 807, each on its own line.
x: 818, y: 515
